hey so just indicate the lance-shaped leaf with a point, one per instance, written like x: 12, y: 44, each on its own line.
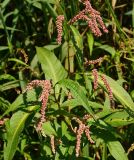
x: 48, y: 129
x: 116, y: 150
x: 17, y: 124
x: 51, y: 66
x: 22, y: 100
x: 77, y: 93
x: 78, y: 44
x: 119, y: 118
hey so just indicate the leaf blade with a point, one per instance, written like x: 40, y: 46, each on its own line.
x: 51, y: 66
x: 16, y: 127
x: 77, y: 93
x: 116, y: 150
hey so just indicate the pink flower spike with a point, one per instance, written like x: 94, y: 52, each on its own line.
x: 107, y: 86
x: 46, y: 87
x: 59, y: 22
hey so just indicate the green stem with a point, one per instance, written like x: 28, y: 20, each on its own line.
x: 104, y: 152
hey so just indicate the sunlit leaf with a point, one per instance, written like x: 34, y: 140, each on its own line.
x: 77, y: 93
x: 90, y: 40
x: 119, y: 118
x: 22, y: 100
x: 51, y: 66
x: 48, y: 129
x: 116, y: 150
x: 17, y: 124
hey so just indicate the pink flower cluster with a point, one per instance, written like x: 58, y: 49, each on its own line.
x: 95, y: 75
x: 59, y: 22
x: 92, y: 17
x: 46, y: 87
x: 108, y: 87
x: 93, y: 61
x: 88, y: 14
x: 82, y: 128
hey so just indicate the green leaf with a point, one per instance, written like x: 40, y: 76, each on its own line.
x: 120, y: 93
x: 90, y: 40
x: 17, y: 61
x: 48, y: 129
x: 119, y: 118
x: 51, y: 10
x: 51, y: 66
x: 4, y: 3
x: 6, y: 77
x: 106, y: 48
x: 109, y: 136
x: 77, y: 37
x: 17, y: 124
x: 22, y: 100
x: 130, y: 59
x: 64, y: 51
x: 64, y: 128
x: 10, y: 29
x: 51, y: 47
x: 4, y: 104
x: 9, y: 85
x: 78, y: 44
x: 116, y: 150
x: 77, y: 93
x: 128, y: 13
x: 3, y: 48
x: 72, y: 103
x: 49, y: 1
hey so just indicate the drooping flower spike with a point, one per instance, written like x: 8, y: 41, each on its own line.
x: 59, y: 21
x: 46, y: 87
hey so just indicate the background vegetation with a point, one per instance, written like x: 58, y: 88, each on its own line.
x: 29, y: 51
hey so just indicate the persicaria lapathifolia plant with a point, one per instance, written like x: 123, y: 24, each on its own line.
x: 62, y: 131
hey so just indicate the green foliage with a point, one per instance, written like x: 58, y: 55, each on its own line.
x: 117, y: 150
x: 29, y: 51
x: 16, y: 126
